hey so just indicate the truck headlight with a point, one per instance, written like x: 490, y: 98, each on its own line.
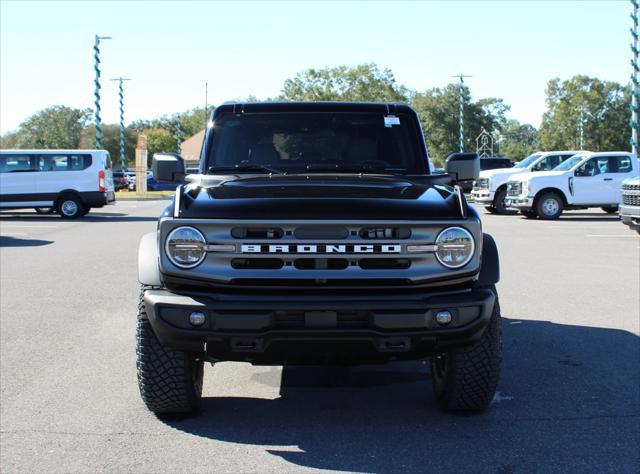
x: 455, y: 247
x: 185, y: 247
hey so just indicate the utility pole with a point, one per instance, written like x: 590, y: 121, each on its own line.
x: 635, y: 86
x: 96, y: 67
x: 461, y: 111
x: 206, y: 103
x: 581, y: 128
x: 123, y: 155
x: 179, y: 136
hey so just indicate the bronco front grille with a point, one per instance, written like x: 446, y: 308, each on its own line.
x: 514, y: 188
x: 321, y: 253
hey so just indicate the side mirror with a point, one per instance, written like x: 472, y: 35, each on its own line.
x: 168, y: 168
x: 463, y: 166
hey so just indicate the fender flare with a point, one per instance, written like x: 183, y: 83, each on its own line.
x: 490, y: 266
x: 148, y: 260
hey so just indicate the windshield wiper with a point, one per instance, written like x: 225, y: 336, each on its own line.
x: 245, y: 168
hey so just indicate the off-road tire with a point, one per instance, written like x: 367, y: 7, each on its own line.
x: 466, y: 378
x: 610, y: 209
x: 170, y: 381
x: 529, y: 214
x: 498, y: 202
x: 544, y: 207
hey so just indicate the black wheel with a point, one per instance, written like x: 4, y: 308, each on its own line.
x: 170, y: 381
x: 499, y: 204
x: 610, y: 209
x: 69, y: 207
x: 549, y: 206
x: 491, y: 209
x: 44, y: 210
x: 529, y: 214
x: 466, y: 378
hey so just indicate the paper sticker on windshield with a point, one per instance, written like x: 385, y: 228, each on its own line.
x: 391, y: 120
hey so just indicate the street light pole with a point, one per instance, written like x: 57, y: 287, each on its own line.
x: 96, y: 67
x: 179, y: 146
x: 206, y: 104
x: 123, y: 155
x: 461, y: 109
x: 581, y: 128
x: 635, y: 86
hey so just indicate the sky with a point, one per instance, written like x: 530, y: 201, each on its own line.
x: 171, y: 49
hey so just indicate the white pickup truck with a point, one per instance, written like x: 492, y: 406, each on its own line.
x: 490, y: 189
x: 584, y: 180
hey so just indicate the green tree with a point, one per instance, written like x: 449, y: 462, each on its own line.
x: 365, y: 82
x: 111, y: 142
x: 159, y: 141
x: 517, y: 140
x: 438, y: 109
x: 605, y: 112
x: 54, y: 127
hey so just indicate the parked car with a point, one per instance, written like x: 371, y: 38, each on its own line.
x: 69, y: 182
x: 120, y: 179
x: 629, y: 209
x: 488, y: 163
x: 583, y: 181
x: 490, y: 189
x: 352, y: 253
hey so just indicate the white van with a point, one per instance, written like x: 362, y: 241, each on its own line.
x: 69, y: 182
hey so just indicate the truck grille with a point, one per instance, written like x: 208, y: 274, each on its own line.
x: 318, y: 254
x: 514, y: 188
x: 631, y: 194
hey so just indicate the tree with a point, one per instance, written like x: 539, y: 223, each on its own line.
x: 111, y: 142
x: 159, y: 141
x: 438, y: 109
x: 365, y: 82
x: 605, y: 112
x: 54, y: 127
x: 516, y: 140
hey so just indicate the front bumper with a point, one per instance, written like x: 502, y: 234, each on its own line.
x: 519, y: 202
x: 312, y: 329
x: 630, y: 216
x: 482, y: 196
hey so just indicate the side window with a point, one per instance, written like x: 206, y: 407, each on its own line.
x: 63, y: 162
x: 620, y: 164
x: 547, y: 163
x: 590, y: 167
x: 16, y: 163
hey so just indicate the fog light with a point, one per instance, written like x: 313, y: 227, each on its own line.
x: 443, y: 317
x: 197, y: 318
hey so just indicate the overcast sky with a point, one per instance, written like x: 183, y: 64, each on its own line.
x: 170, y: 49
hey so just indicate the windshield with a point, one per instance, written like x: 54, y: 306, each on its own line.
x: 527, y: 161
x: 293, y: 142
x: 570, y: 163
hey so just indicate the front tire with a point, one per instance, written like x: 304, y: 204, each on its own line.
x: 491, y: 209
x: 549, y: 206
x: 499, y: 204
x: 610, y: 209
x: 466, y: 378
x: 170, y: 381
x: 529, y: 214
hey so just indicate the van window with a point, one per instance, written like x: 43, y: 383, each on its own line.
x: 16, y: 163
x: 107, y: 161
x: 63, y: 162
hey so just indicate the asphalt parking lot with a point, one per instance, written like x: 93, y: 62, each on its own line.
x: 569, y: 397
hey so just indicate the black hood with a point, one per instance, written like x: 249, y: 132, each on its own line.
x: 348, y: 197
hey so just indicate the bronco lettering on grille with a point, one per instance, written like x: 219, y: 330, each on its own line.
x: 321, y: 248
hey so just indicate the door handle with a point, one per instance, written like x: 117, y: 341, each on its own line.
x: 608, y: 179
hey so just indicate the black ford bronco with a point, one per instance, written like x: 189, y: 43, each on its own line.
x: 315, y: 233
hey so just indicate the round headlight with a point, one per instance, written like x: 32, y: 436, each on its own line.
x: 185, y: 247
x: 455, y: 247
